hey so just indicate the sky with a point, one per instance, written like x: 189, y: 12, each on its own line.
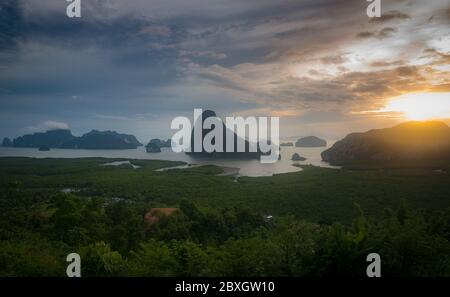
x: 324, y: 67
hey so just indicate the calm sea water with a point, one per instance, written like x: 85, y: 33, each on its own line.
x: 246, y: 167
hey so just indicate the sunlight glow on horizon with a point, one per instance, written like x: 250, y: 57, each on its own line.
x: 420, y: 106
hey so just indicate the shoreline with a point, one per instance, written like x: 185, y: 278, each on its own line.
x: 251, y: 168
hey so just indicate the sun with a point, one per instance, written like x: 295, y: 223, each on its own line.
x: 421, y: 106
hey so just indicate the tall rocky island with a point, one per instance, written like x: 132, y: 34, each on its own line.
x: 247, y: 154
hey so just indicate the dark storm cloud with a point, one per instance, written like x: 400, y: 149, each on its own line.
x: 60, y: 56
x: 349, y: 91
x: 336, y: 59
x: 390, y: 16
x: 383, y: 33
x: 264, y: 33
x: 11, y: 23
x: 119, y: 49
x: 135, y: 61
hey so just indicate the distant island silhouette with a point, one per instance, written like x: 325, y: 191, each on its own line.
x: 310, y: 141
x: 408, y: 141
x: 64, y: 139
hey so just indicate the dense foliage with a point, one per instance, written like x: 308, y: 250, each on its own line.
x: 40, y: 225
